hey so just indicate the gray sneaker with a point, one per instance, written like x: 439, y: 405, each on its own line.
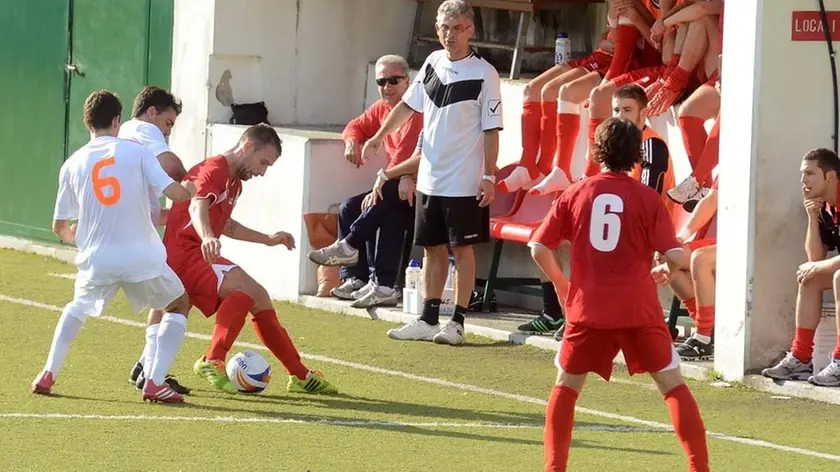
x: 828, y: 377
x: 687, y: 190
x: 789, y: 368
x: 357, y: 294
x: 346, y: 290
x: 335, y: 255
x: 378, y: 296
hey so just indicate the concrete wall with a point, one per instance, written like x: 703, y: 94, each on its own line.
x: 777, y: 105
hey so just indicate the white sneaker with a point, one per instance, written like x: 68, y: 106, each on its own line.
x: 346, y: 290
x: 377, y: 296
x: 828, y: 377
x: 452, y: 334
x: 336, y: 254
x: 357, y: 294
x: 416, y: 330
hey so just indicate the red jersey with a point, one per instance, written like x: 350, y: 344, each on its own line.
x: 213, y: 180
x: 399, y: 145
x: 615, y: 224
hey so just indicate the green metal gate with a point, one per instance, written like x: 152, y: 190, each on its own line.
x: 57, y: 53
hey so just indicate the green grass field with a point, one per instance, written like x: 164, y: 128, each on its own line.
x: 403, y: 406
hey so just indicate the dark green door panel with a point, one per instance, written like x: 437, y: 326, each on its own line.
x: 109, y: 51
x: 161, y: 18
x: 33, y: 52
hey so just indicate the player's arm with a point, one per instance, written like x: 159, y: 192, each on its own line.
x: 240, y: 232
x: 358, y: 131
x: 655, y: 163
x: 702, y: 214
x: 662, y: 239
x: 548, y: 236
x: 172, y: 165
x: 65, y: 230
x: 694, y: 11
x: 66, y: 208
x: 544, y: 257
x: 817, y: 232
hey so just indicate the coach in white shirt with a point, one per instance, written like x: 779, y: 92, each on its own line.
x: 458, y: 93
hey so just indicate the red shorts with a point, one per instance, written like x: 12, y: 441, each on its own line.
x: 646, y: 349
x: 642, y: 77
x: 695, y: 245
x: 648, y: 56
x: 599, y: 61
x: 201, y: 280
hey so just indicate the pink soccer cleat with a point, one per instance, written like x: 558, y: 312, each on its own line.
x: 160, y: 393
x: 43, y: 383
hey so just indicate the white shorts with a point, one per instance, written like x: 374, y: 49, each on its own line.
x: 157, y: 293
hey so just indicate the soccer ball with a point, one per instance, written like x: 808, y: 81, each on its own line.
x: 249, y: 372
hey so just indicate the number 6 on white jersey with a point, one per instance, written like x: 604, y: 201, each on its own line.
x: 605, y: 225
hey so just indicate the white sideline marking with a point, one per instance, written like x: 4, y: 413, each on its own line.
x: 64, y: 276
x: 465, y: 387
x: 322, y: 421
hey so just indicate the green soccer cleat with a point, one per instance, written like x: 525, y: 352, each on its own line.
x: 213, y: 371
x: 314, y: 383
x: 541, y: 324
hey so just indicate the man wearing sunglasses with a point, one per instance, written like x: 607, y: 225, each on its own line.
x: 370, y: 261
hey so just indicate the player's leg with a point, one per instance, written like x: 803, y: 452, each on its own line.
x: 429, y: 233
x: 348, y: 250
x: 796, y: 365
x: 692, y: 53
x: 173, y: 327
x: 700, y: 345
x: 551, y: 317
x: 830, y: 375
x: 626, y: 38
x: 649, y: 349
x: 570, y: 96
x: 152, y: 325
x: 272, y: 334
x: 539, y: 115
x: 88, y: 300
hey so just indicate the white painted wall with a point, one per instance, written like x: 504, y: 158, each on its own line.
x: 777, y: 105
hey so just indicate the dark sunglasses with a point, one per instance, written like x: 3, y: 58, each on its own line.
x: 390, y: 80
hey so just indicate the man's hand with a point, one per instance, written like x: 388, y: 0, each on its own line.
x: 406, y: 189
x: 562, y: 291
x: 377, y: 188
x: 607, y: 45
x: 661, y: 274
x: 353, y: 152
x: 813, y: 206
x: 486, y: 193
x: 368, y: 201
x: 371, y: 147
x: 809, y: 270
x: 620, y: 7
x: 283, y: 238
x: 657, y: 31
x: 211, y: 249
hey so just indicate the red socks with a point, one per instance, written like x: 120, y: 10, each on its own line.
x: 837, y: 348
x: 803, y: 344
x: 531, y: 122
x: 230, y: 319
x: 626, y: 37
x: 685, y: 416
x: 559, y: 421
x: 592, y: 167
x: 691, y: 308
x: 277, y: 340
x: 709, y: 158
x: 694, y: 137
x: 548, y: 137
x: 705, y: 320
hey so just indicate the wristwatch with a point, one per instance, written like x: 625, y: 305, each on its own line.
x: 490, y: 178
x: 381, y: 174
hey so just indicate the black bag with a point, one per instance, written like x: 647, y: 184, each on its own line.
x: 249, y: 114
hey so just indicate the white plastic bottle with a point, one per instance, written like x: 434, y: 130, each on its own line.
x: 562, y: 49
x: 413, y: 275
x: 413, y: 290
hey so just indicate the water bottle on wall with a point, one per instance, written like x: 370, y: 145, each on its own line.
x: 413, y: 291
x: 562, y: 49
x: 413, y: 275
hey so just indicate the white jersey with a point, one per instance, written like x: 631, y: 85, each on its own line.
x: 459, y: 100
x: 152, y: 137
x: 105, y: 185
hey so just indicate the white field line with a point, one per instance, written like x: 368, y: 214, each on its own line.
x: 465, y: 387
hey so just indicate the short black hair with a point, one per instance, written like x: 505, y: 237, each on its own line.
x: 100, y: 109
x: 263, y: 135
x: 826, y: 159
x: 152, y: 96
x: 634, y: 92
x: 618, y: 145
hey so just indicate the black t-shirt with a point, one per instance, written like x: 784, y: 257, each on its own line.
x: 829, y: 228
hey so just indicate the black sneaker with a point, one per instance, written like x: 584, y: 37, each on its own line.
x: 695, y: 350
x: 170, y: 381
x: 135, y: 373
x: 542, y: 324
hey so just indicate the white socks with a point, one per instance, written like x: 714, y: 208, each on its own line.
x: 519, y: 178
x: 557, y: 180
x: 170, y: 336
x: 66, y: 331
x: 151, y: 347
